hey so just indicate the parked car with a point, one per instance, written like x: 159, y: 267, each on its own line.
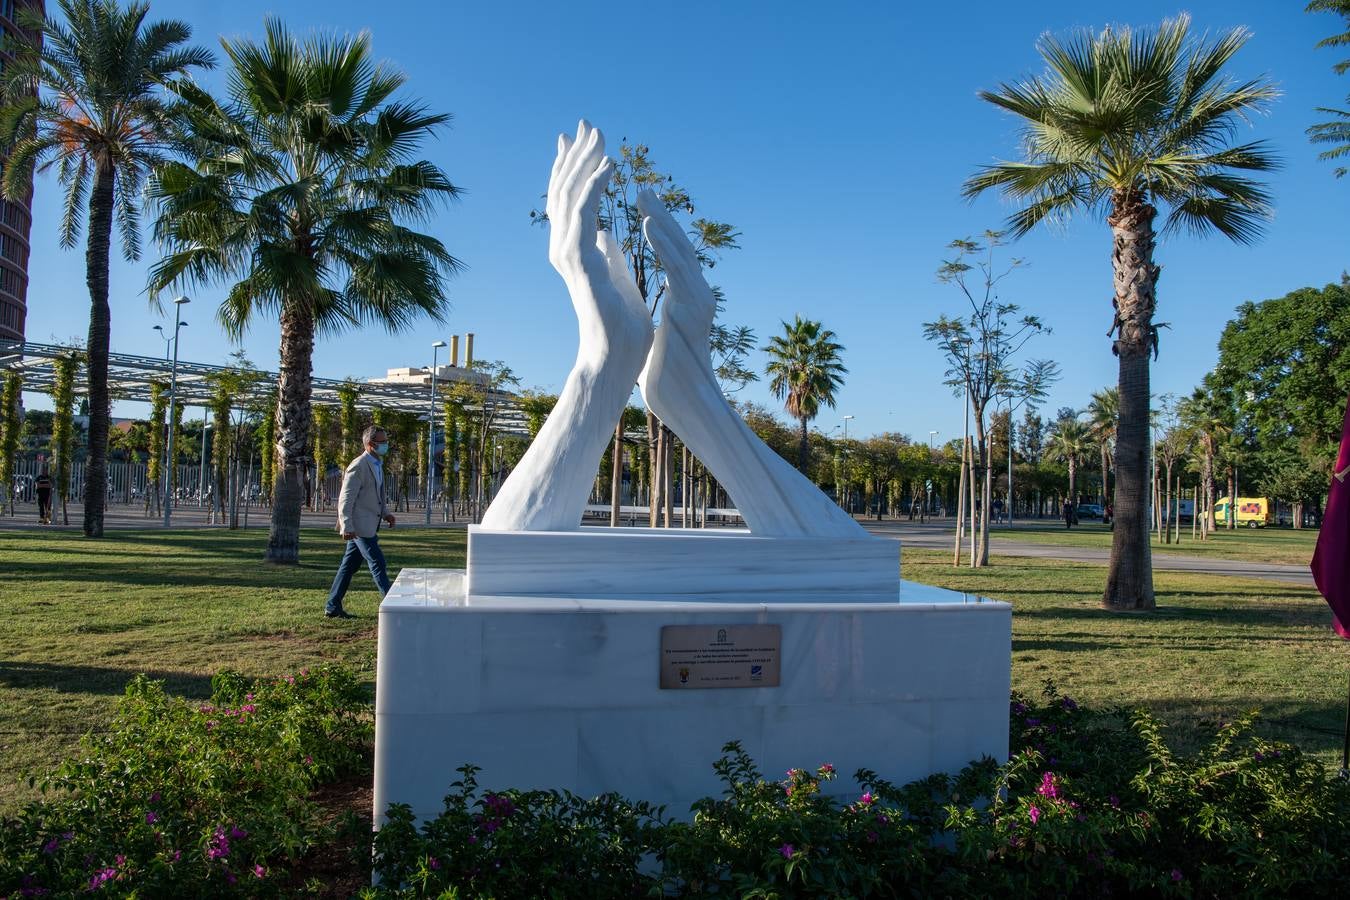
x: 1091, y: 511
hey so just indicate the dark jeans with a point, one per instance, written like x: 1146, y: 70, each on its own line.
x: 44, y: 499
x: 358, y: 549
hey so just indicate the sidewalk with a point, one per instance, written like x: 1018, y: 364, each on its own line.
x: 940, y: 534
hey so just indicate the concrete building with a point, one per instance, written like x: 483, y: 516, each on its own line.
x: 445, y: 374
x: 15, y: 220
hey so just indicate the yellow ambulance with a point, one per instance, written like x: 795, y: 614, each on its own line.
x: 1254, y: 512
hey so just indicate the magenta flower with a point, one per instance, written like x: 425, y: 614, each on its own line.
x: 229, y: 876
x: 787, y: 850
x: 248, y: 708
x: 259, y: 871
x: 151, y: 818
x: 50, y: 847
x: 101, y: 877
x: 433, y: 862
x: 1035, y: 814
x: 1176, y: 875
x: 238, y: 833
x: 867, y: 799
x: 154, y: 798
x: 828, y: 768
x: 1048, y: 788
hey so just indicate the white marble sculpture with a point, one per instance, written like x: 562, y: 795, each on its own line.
x: 548, y: 490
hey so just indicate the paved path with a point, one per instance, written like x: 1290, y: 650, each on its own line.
x: 940, y: 535
x: 936, y: 534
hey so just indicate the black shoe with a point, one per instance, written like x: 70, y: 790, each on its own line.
x: 337, y: 614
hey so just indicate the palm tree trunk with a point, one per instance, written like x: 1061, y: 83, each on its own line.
x: 1129, y: 578
x: 803, y: 446
x: 293, y: 435
x: 100, y: 327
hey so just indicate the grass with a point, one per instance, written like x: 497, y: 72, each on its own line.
x: 1267, y: 545
x: 80, y: 618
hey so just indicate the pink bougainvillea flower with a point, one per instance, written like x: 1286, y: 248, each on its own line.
x: 1176, y: 875
x: 433, y: 862
x: 151, y: 817
x: 867, y: 799
x: 259, y: 871
x: 1035, y: 814
x: 787, y: 850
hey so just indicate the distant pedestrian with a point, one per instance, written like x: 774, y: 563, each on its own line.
x: 1068, y: 514
x: 998, y: 510
x: 361, y: 508
x: 42, y: 485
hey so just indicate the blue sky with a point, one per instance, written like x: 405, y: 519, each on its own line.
x: 834, y: 137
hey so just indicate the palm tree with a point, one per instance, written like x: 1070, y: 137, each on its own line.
x: 1103, y: 413
x: 1070, y: 442
x: 804, y: 368
x: 86, y: 96
x: 1128, y: 122
x: 305, y: 176
x: 1337, y: 131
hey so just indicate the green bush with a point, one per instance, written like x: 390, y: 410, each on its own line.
x: 1091, y: 804
x: 188, y: 799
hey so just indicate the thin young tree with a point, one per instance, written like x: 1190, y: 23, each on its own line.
x: 1127, y: 123
x: 806, y: 372
x: 305, y: 181
x: 980, y: 346
x: 85, y: 95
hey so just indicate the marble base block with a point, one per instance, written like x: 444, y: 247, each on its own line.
x: 564, y: 692
x: 694, y: 564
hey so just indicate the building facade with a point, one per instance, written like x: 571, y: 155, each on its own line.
x: 15, y: 220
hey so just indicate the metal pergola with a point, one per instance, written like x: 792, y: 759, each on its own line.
x: 130, y: 378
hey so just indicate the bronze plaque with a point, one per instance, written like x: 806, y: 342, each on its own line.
x: 720, y: 656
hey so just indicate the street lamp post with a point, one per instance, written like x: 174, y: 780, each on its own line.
x: 431, y: 431
x: 173, y: 388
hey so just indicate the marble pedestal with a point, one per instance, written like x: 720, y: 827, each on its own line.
x: 562, y: 692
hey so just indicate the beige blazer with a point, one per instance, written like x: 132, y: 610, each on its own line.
x: 361, y: 502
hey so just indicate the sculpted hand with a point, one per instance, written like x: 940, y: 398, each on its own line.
x: 547, y: 490
x: 679, y: 385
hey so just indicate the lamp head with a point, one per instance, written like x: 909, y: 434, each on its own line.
x: 159, y: 328
x: 179, y: 301
x: 439, y: 344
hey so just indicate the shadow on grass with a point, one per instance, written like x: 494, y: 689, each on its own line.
x: 98, y: 679
x: 1299, y: 612
x: 1313, y: 726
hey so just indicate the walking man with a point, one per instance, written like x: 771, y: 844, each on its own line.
x: 361, y: 507
x: 43, y: 486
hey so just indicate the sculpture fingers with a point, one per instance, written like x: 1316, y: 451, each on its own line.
x: 673, y: 248
x: 555, y: 175
x: 585, y: 156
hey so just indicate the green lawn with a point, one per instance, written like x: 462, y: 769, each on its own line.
x: 1272, y: 545
x: 79, y: 618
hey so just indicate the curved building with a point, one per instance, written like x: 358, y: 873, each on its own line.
x: 15, y: 221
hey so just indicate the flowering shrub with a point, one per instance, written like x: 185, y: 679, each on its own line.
x: 516, y: 844
x: 1090, y: 804
x: 189, y: 799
